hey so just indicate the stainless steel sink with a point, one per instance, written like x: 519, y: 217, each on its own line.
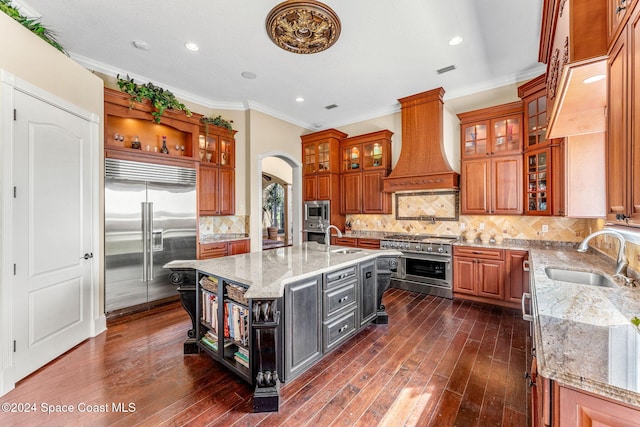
x: 578, y: 276
x: 346, y: 251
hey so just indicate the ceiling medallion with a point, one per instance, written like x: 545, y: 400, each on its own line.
x: 303, y: 26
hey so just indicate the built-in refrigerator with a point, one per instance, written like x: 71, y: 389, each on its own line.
x: 150, y: 219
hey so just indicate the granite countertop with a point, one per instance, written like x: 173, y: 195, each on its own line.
x: 583, y: 335
x: 267, y: 272
x: 216, y: 238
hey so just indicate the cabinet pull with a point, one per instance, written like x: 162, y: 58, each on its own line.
x: 525, y: 265
x: 343, y: 299
x: 620, y: 9
x: 477, y: 252
x: 344, y: 328
x: 525, y: 316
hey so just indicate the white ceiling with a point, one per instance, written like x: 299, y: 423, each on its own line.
x: 388, y: 49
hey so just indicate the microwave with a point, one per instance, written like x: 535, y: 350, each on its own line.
x: 317, y: 212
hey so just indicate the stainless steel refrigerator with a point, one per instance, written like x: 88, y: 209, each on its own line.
x: 150, y: 219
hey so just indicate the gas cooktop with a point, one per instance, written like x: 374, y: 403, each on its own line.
x: 425, y: 238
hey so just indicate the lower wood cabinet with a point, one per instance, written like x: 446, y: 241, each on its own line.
x: 492, y: 275
x: 356, y: 242
x: 226, y: 248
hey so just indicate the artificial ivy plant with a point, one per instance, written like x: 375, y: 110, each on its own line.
x: 217, y: 121
x: 33, y: 25
x: 161, y: 99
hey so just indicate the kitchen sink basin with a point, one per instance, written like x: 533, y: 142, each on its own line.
x: 578, y: 276
x: 346, y: 251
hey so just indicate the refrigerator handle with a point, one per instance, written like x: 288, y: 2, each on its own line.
x: 150, y: 236
x: 145, y: 239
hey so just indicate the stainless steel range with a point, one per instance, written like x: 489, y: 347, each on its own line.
x: 425, y: 265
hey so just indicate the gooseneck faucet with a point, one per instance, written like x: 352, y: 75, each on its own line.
x: 622, y: 263
x: 327, y: 236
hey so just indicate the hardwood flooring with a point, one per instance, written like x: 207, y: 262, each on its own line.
x: 439, y: 362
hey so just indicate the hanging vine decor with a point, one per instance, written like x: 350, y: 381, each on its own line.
x: 32, y: 25
x: 161, y: 99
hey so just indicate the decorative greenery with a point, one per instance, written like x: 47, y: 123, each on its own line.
x: 217, y: 121
x: 636, y: 322
x: 272, y: 198
x: 32, y: 25
x: 160, y: 98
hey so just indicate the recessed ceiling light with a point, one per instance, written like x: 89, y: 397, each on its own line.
x: 594, y: 79
x: 142, y: 45
x: 192, y: 46
x: 248, y: 75
x: 455, y: 41
x: 299, y: 99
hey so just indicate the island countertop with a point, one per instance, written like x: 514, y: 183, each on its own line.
x: 267, y: 272
x: 583, y: 335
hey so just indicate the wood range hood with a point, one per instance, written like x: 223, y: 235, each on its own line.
x: 422, y: 164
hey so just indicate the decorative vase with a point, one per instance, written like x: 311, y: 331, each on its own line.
x: 164, y: 149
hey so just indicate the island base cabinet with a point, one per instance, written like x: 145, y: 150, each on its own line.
x: 302, y: 326
x: 368, y: 292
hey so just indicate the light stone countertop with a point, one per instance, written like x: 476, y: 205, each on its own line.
x: 216, y: 238
x: 267, y: 272
x: 583, y: 335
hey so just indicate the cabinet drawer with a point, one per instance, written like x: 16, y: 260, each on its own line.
x: 338, y: 299
x: 369, y: 243
x: 340, y: 277
x: 474, y: 252
x: 213, y: 250
x: 346, y: 241
x: 338, y: 330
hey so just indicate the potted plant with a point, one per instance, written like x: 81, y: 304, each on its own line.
x: 272, y: 198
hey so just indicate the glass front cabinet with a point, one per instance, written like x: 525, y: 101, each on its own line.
x: 538, y: 178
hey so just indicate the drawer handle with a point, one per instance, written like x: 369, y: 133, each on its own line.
x: 477, y: 252
x: 525, y: 316
x: 344, y: 328
x: 343, y: 299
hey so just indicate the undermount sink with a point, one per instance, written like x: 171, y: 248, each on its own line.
x: 578, y: 276
x: 346, y: 251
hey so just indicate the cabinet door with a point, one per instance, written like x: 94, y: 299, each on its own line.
x: 311, y: 188
x: 506, y: 189
x: 506, y: 135
x: 227, y: 152
x: 538, y: 180
x: 517, y: 277
x: 226, y: 192
x: 535, y: 120
x: 374, y: 201
x: 464, y: 275
x: 474, y: 184
x: 208, y: 190
x: 634, y: 34
x: 490, y: 279
x: 238, y: 247
x: 368, y: 294
x: 302, y: 326
x: 324, y: 186
x: 617, y: 130
x: 310, y: 158
x: 558, y: 174
x: 475, y: 140
x: 585, y: 410
x: 351, y: 191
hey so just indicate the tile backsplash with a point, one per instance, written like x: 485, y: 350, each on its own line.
x: 235, y: 224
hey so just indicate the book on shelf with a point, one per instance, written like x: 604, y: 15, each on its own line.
x: 209, y: 303
x: 241, y: 359
x: 209, y: 343
x: 236, y: 322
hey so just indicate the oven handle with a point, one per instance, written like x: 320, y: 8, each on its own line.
x: 446, y: 259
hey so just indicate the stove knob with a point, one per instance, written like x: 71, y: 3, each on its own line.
x: 441, y: 250
x: 429, y: 249
x: 418, y: 247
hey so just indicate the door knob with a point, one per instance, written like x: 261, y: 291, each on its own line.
x: 87, y: 256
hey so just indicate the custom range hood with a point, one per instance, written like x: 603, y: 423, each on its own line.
x: 422, y: 164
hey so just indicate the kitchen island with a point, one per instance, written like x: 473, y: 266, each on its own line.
x: 587, y: 353
x: 269, y: 316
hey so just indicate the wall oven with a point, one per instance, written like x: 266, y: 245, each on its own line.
x: 317, y: 216
x: 425, y: 265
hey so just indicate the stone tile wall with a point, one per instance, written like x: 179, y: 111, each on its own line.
x: 235, y: 224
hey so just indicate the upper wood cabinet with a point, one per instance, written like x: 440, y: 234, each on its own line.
x: 491, y: 131
x: 491, y: 167
x: 617, y: 12
x: 321, y: 165
x: 365, y: 161
x: 128, y: 125
x: 216, y: 174
x: 623, y: 148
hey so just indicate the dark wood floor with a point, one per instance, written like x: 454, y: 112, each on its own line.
x: 438, y: 362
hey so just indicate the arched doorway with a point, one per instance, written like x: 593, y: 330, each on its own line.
x: 279, y: 171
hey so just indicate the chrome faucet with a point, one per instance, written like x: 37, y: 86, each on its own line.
x: 622, y: 263
x: 327, y: 236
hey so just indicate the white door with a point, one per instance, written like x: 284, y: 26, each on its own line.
x: 51, y: 232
